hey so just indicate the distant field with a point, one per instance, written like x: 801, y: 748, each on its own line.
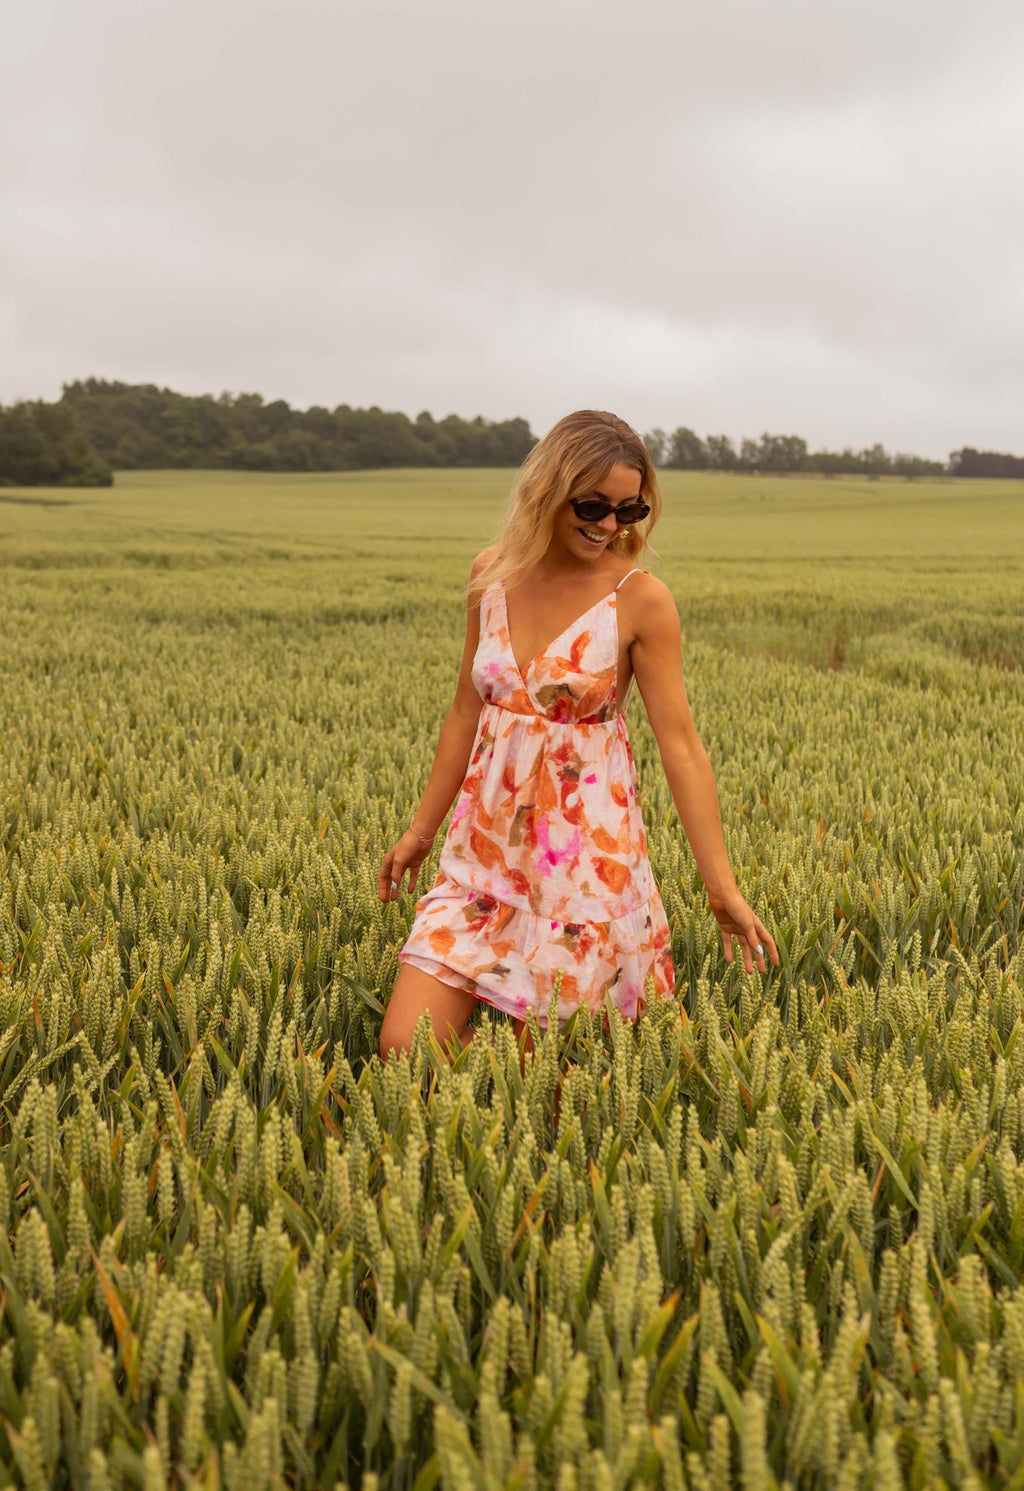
x: 779, y: 1233
x: 813, y: 570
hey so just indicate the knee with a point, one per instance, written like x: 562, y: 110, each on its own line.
x: 398, y: 1030
x: 393, y: 1038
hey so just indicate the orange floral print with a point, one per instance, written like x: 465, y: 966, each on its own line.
x: 441, y: 940
x: 544, y: 867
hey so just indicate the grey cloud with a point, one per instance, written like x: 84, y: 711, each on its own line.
x: 735, y: 215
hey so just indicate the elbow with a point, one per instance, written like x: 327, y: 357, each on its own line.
x: 466, y: 707
x: 682, y: 749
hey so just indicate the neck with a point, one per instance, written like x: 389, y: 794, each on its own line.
x: 558, y: 564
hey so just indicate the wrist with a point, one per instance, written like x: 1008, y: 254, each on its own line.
x: 421, y: 831
x: 718, y: 894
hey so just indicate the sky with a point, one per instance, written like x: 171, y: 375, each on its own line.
x: 803, y: 216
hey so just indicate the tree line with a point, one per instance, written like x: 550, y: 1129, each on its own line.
x: 783, y: 454
x: 137, y: 426
x: 970, y: 462
x: 97, y: 427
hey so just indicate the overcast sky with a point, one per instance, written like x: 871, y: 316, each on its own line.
x: 798, y: 216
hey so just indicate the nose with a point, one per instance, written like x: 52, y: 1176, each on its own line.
x: 608, y: 523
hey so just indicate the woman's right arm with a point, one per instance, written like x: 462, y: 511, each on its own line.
x: 451, y: 762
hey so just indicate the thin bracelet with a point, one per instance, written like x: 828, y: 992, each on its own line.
x: 422, y: 840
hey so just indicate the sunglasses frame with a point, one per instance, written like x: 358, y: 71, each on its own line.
x: 637, y: 517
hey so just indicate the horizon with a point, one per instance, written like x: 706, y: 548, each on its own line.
x: 846, y: 446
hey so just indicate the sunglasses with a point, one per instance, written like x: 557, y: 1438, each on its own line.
x: 593, y: 509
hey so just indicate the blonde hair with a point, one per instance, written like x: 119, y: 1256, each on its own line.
x: 572, y: 460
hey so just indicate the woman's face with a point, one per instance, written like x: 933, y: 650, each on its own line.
x: 588, y: 541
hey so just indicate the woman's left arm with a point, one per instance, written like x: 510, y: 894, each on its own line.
x: 656, y: 656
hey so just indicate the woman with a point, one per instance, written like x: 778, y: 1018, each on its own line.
x: 545, y: 866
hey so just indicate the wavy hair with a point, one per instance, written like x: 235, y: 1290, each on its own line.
x: 572, y: 460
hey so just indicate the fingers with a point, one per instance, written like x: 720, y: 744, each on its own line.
x: 390, y: 878
x: 753, y: 946
x: 763, y: 943
x: 755, y: 941
x: 398, y: 868
x: 768, y: 942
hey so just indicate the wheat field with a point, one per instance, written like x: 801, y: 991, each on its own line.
x: 776, y: 1236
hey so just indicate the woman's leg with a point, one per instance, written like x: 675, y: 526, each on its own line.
x: 415, y: 991
x: 449, y: 1009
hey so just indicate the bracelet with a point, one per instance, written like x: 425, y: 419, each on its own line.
x: 421, y: 838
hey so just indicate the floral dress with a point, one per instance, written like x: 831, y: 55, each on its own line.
x: 544, y: 866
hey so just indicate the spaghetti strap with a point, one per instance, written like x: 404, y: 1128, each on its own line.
x: 626, y: 577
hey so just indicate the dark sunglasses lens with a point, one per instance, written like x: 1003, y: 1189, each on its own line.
x: 633, y: 513
x: 592, y: 511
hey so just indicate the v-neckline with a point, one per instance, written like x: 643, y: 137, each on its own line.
x: 522, y: 671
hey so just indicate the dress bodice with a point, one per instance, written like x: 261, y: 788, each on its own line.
x: 572, y: 680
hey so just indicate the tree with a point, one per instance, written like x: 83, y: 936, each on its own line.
x: 721, y: 453
x: 874, y: 460
x: 913, y: 466
x: 781, y: 453
x: 832, y: 463
x: 655, y: 441
x: 686, y: 451
x: 44, y: 445
x: 971, y: 462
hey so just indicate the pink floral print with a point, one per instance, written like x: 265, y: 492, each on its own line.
x: 545, y: 866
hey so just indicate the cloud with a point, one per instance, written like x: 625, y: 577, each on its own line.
x: 728, y: 214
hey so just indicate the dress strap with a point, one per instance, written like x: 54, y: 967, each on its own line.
x: 626, y: 577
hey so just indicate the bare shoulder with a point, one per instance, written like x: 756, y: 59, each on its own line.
x: 474, y: 590
x: 647, y: 609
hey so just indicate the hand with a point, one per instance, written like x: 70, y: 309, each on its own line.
x: 735, y: 919
x: 408, y: 854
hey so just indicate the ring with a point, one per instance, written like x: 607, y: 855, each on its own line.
x: 760, y: 948
x: 394, y: 885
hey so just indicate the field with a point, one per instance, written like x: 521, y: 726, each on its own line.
x: 776, y: 1237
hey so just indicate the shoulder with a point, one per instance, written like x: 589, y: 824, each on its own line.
x: 647, y: 608
x: 478, y: 575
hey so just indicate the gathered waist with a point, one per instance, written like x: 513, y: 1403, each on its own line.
x: 543, y: 719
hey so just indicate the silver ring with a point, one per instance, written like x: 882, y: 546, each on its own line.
x: 760, y: 948
x: 394, y: 885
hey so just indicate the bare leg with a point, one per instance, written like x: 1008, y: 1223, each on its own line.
x: 415, y: 992
x: 449, y: 1009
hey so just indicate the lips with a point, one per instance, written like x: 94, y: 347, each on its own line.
x: 594, y: 543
